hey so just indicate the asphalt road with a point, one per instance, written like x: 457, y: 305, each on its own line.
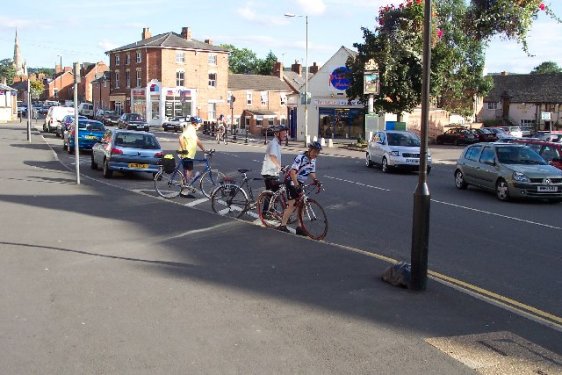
x: 511, y: 249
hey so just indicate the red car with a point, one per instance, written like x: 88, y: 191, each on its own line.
x: 485, y: 135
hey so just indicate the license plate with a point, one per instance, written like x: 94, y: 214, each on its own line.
x: 547, y: 188
x: 91, y: 137
x: 412, y: 161
x: 138, y: 166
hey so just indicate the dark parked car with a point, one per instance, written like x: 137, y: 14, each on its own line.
x: 126, y: 151
x: 132, y: 121
x: 110, y: 118
x: 456, y: 136
x: 175, y: 123
x: 65, y: 124
x: 484, y: 135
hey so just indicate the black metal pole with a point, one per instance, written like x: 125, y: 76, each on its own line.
x: 246, y: 139
x: 422, y: 198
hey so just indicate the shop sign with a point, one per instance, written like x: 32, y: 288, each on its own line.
x: 339, y: 78
x: 341, y: 102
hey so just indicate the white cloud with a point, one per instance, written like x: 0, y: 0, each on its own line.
x: 106, y: 45
x: 312, y: 7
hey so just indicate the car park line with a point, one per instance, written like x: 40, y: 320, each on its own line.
x: 498, y: 215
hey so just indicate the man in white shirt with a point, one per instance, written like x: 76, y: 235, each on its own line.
x: 272, y: 160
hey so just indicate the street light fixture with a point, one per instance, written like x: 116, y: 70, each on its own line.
x: 291, y: 15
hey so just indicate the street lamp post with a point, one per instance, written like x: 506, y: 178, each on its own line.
x: 291, y: 15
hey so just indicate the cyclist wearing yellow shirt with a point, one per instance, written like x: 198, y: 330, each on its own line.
x: 189, y: 141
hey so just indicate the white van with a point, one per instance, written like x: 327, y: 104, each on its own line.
x: 55, y: 116
x: 86, y: 109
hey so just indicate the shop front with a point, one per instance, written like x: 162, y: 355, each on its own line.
x: 340, y: 121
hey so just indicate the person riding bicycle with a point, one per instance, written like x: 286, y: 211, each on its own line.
x: 272, y: 160
x: 304, y: 165
x: 221, y: 129
x: 189, y: 141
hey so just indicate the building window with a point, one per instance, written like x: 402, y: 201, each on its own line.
x: 127, y: 59
x: 283, y: 98
x: 527, y: 123
x: 263, y: 96
x: 117, y: 60
x: 492, y: 105
x: 139, y: 80
x: 139, y: 57
x: 128, y: 78
x: 212, y: 59
x: 116, y: 80
x: 119, y: 107
x: 180, y: 78
x: 180, y: 57
x: 56, y: 93
x: 213, y: 79
x: 212, y: 111
x: 249, y: 97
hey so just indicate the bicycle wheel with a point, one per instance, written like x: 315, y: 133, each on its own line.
x: 209, y: 181
x: 270, y: 209
x: 229, y: 200
x: 313, y: 219
x: 168, y: 185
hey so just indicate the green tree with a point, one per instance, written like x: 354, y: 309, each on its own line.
x: 7, y: 70
x: 547, y: 67
x: 49, y: 72
x: 241, y: 61
x: 265, y: 66
x: 36, y: 88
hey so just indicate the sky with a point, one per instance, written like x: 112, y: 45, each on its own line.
x: 83, y: 30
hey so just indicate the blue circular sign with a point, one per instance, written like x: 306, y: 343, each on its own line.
x: 339, y: 78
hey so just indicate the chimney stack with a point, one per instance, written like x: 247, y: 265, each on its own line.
x: 278, y: 70
x: 504, y: 73
x: 146, y: 33
x: 313, y: 69
x: 186, y: 33
x: 297, y: 68
x: 209, y: 41
x: 58, y: 69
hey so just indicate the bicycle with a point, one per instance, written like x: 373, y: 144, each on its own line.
x: 221, y: 134
x: 311, y: 216
x: 170, y: 185
x: 275, y: 201
x: 231, y: 199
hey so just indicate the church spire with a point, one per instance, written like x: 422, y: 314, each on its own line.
x: 18, y: 61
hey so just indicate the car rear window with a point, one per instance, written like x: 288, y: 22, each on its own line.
x: 145, y: 141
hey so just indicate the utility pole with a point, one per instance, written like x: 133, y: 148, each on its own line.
x: 76, y: 145
x: 29, y: 110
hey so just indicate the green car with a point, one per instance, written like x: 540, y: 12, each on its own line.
x: 510, y: 170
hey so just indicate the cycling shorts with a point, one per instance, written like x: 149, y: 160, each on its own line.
x: 187, y: 164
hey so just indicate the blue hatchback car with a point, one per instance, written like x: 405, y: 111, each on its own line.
x: 89, y: 133
x: 126, y: 151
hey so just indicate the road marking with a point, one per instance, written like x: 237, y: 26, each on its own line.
x: 356, y: 183
x: 196, y: 202
x: 498, y: 215
x: 521, y: 309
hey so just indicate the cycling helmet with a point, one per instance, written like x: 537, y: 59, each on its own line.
x: 315, y: 146
x: 279, y: 128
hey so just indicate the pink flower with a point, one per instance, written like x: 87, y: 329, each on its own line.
x: 439, y: 33
x: 542, y: 6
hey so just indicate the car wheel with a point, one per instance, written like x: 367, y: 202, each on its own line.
x: 439, y: 141
x: 107, y: 173
x: 384, y: 166
x: 459, y: 180
x: 44, y: 127
x: 368, y: 161
x: 502, y: 190
x: 93, y: 164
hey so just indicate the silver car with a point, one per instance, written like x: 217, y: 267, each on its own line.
x: 510, y: 170
x: 395, y: 149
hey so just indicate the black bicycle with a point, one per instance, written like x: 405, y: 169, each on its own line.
x: 232, y: 199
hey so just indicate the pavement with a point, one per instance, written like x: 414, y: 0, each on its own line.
x: 96, y: 279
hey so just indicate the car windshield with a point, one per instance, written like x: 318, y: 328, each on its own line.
x: 136, y: 140
x: 518, y: 155
x: 91, y: 126
x: 403, y: 139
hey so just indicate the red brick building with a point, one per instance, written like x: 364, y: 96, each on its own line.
x: 169, y: 74
x: 100, y: 91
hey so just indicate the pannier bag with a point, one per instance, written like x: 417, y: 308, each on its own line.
x: 168, y: 163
